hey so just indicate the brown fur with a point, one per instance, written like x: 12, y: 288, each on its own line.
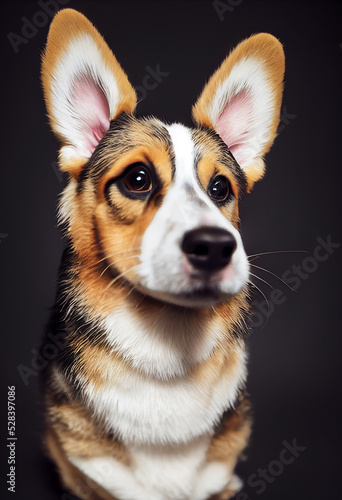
x: 230, y: 441
x: 78, y: 433
x: 207, y: 167
x: 73, y: 479
x: 105, y: 229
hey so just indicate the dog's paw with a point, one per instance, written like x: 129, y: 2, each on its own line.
x: 232, y: 488
x: 216, y: 482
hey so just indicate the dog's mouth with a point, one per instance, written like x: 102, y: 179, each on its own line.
x: 204, y: 291
x: 192, y: 288
x: 203, y: 296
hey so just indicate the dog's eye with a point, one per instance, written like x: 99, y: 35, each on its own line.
x: 219, y: 188
x: 138, y: 179
x: 136, y: 182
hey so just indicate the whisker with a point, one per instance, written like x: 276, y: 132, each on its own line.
x: 117, y: 253
x: 268, y: 305
x: 120, y: 260
x: 258, y: 277
x: 134, y: 287
x: 120, y: 276
x: 109, y: 239
x: 275, y: 275
x: 140, y: 301
x: 276, y: 251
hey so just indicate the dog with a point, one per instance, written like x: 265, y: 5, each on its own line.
x: 146, y: 398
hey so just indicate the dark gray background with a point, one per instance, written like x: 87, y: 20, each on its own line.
x: 294, y: 358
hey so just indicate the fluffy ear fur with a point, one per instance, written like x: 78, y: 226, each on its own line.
x: 84, y: 87
x: 242, y: 100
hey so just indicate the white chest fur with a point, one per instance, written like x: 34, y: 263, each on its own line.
x: 163, y: 412
x: 145, y: 410
x: 163, y: 399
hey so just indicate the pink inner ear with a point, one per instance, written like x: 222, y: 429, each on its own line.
x: 233, y: 124
x: 92, y: 111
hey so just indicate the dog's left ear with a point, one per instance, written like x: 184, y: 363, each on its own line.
x: 84, y: 87
x: 242, y: 101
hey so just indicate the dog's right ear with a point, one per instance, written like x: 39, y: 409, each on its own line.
x: 242, y: 101
x: 84, y: 87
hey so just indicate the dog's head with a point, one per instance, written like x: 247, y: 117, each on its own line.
x: 153, y: 204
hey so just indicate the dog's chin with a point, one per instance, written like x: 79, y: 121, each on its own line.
x: 202, y: 297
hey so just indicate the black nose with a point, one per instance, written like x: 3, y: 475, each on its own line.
x: 208, y: 248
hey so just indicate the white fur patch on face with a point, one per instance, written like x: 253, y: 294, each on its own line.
x: 168, y: 473
x: 242, y: 110
x: 84, y: 96
x: 141, y: 409
x: 163, y: 270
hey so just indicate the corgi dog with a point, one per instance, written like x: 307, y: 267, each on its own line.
x: 145, y: 399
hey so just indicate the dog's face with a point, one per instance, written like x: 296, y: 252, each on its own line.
x: 165, y: 209
x: 151, y: 204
